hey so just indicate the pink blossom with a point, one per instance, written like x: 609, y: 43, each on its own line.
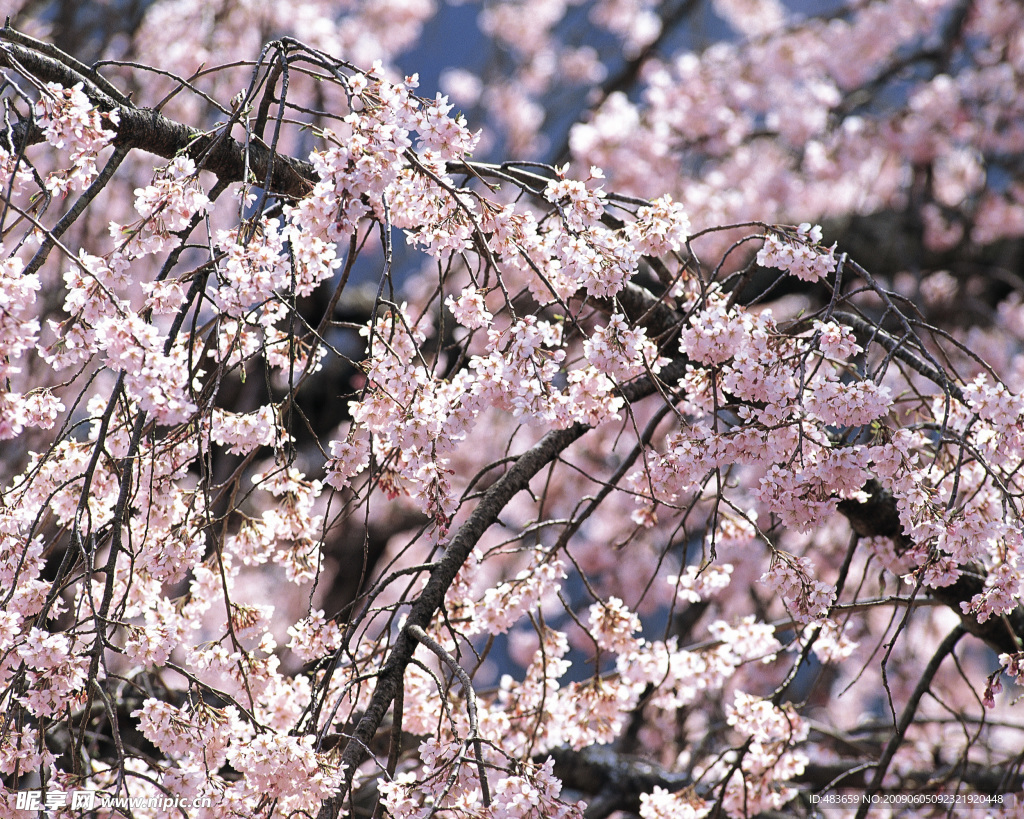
x: 801, y: 259
x: 470, y: 309
x: 699, y: 582
x: 613, y: 625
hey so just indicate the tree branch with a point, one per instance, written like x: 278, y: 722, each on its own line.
x: 148, y: 130
x: 907, y: 717
x: 878, y: 516
x: 495, y: 499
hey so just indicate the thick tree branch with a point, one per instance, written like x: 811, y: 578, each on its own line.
x: 225, y: 156
x: 429, y: 602
x: 495, y: 499
x: 148, y: 130
x: 878, y: 516
x: 618, y: 779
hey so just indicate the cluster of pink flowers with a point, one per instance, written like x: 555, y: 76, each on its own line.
x: 613, y: 625
x: 622, y: 352
x: 801, y: 257
x: 580, y: 205
x: 165, y: 206
x: 715, y: 334
x: 101, y: 320
x: 848, y: 405
x: 364, y: 171
x: 470, y: 309
x: 271, y: 764
x: 596, y: 259
x: 1003, y: 591
x: 994, y: 402
x: 314, y: 637
x: 292, y: 522
x: 660, y: 228
x: 739, y: 354
x: 807, y: 599
x: 253, y: 267
x: 70, y: 121
x: 532, y: 795
x: 770, y: 762
x: 505, y: 604
x: 663, y: 804
x: 243, y: 432
x: 21, y: 750
x: 700, y: 582
x: 409, y: 418
x: 835, y: 340
x: 831, y: 643
x: 19, y: 333
x: 450, y: 782
x: 56, y: 674
x: 442, y: 135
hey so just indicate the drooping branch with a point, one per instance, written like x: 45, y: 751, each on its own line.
x: 486, y: 513
x: 907, y: 717
x: 900, y: 350
x: 429, y: 602
x: 148, y: 130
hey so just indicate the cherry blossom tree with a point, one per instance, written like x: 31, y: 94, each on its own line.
x: 631, y: 427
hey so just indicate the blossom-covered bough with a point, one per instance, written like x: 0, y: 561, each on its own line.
x: 578, y: 508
